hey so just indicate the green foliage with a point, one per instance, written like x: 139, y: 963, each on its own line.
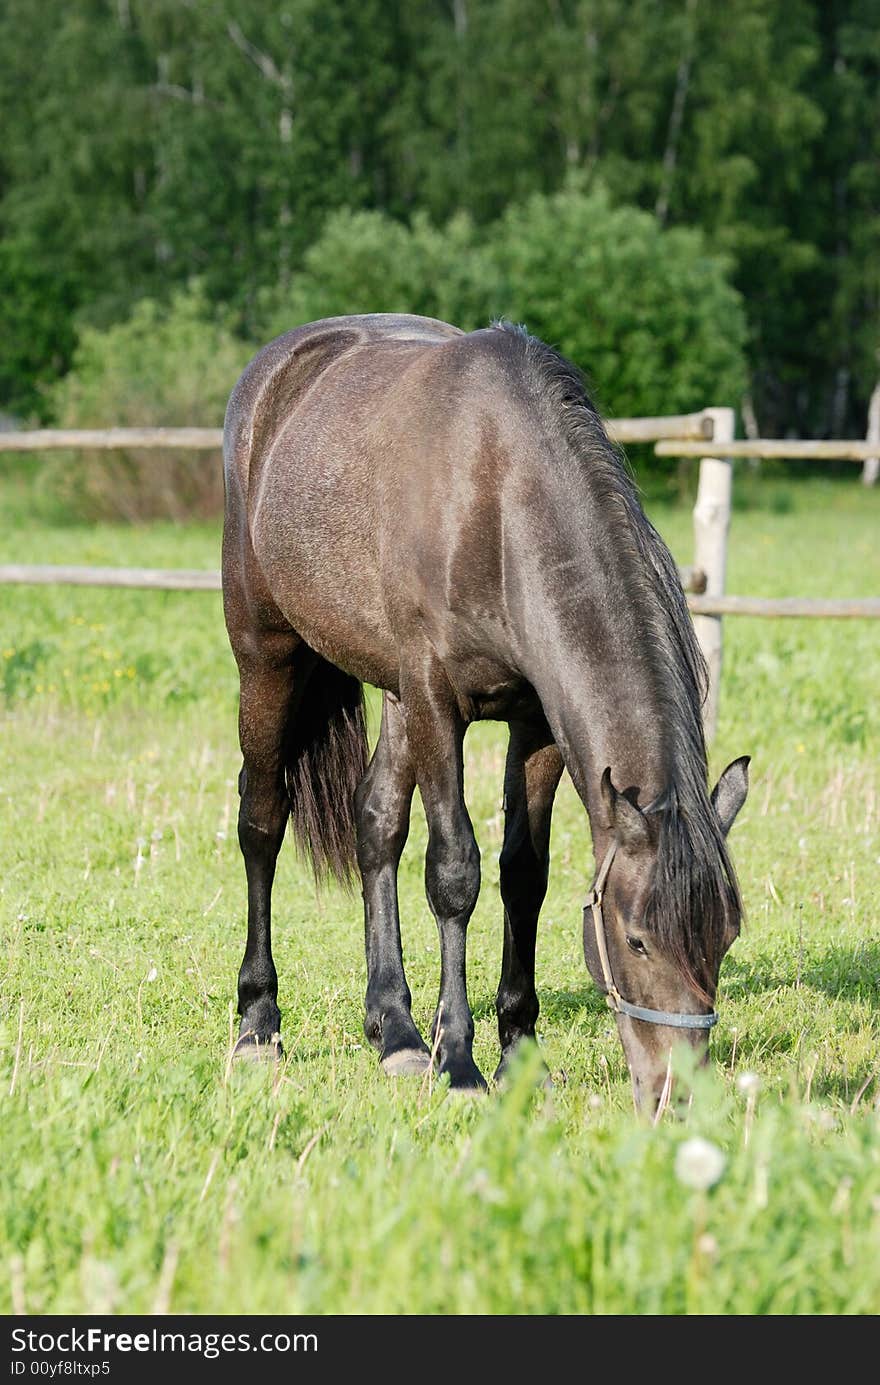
x: 649, y: 314
x: 141, y: 1176
x: 640, y: 309
x: 178, y: 358
x: 73, y: 167
x: 850, y: 184
x: 146, y: 142
x: 366, y: 262
x: 176, y: 362
x: 36, y: 327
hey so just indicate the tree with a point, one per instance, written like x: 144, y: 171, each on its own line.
x: 648, y: 314
x: 150, y: 141
x: 365, y: 262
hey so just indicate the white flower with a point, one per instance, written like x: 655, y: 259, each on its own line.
x: 698, y: 1163
x: 749, y: 1083
x: 151, y: 974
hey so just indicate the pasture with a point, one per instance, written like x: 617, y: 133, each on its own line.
x: 142, y: 1173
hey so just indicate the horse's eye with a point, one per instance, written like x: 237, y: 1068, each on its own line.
x: 636, y: 945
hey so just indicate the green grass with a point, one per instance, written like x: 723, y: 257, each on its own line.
x: 139, y: 1173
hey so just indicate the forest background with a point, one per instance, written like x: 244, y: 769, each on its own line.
x: 681, y: 195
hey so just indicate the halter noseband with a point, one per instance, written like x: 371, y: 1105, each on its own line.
x: 613, y: 998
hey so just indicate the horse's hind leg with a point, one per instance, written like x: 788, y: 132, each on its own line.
x: 435, y: 730
x: 531, y: 776
x: 271, y: 684
x: 383, y: 807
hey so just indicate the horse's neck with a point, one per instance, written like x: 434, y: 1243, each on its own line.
x: 596, y: 673
x: 602, y: 718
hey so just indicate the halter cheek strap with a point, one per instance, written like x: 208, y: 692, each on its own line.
x: 613, y: 998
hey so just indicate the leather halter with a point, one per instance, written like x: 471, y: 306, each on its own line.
x: 613, y: 998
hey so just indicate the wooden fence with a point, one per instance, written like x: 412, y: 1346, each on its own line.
x: 707, y: 435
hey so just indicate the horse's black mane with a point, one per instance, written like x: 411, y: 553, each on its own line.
x: 695, y: 896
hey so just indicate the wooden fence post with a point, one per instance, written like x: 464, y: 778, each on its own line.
x: 711, y: 525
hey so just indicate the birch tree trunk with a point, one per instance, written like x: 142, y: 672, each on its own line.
x: 871, y: 468
x: 676, y: 117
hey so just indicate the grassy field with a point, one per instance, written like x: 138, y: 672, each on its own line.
x: 141, y: 1174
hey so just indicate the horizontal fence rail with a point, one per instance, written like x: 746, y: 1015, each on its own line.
x: 622, y: 430
x: 856, y: 608
x: 692, y: 426
x: 678, y: 435
x: 795, y: 450
x: 152, y: 578
x: 112, y: 439
x: 190, y: 580
x: 175, y: 579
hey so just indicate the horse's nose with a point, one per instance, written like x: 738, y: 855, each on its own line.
x: 660, y: 1089
x: 650, y: 1090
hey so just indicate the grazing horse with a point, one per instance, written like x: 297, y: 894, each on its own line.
x: 441, y: 514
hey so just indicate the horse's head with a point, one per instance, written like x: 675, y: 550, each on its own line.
x: 662, y: 914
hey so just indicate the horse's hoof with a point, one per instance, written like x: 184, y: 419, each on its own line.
x: 406, y: 1062
x: 543, y: 1080
x: 465, y: 1081
x: 501, y: 1080
x: 251, y: 1049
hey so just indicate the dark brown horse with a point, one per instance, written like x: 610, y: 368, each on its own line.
x: 442, y: 515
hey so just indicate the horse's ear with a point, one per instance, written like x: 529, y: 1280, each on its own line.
x: 729, y: 794
x: 627, y: 819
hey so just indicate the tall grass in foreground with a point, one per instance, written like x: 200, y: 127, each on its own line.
x: 141, y: 1173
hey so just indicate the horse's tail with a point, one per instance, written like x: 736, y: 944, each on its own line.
x: 326, y: 758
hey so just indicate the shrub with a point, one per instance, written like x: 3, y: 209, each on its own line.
x: 648, y: 314
x: 365, y: 262
x: 165, y: 366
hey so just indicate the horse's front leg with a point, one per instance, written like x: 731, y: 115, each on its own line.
x: 435, y: 731
x: 531, y: 776
x: 382, y: 807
